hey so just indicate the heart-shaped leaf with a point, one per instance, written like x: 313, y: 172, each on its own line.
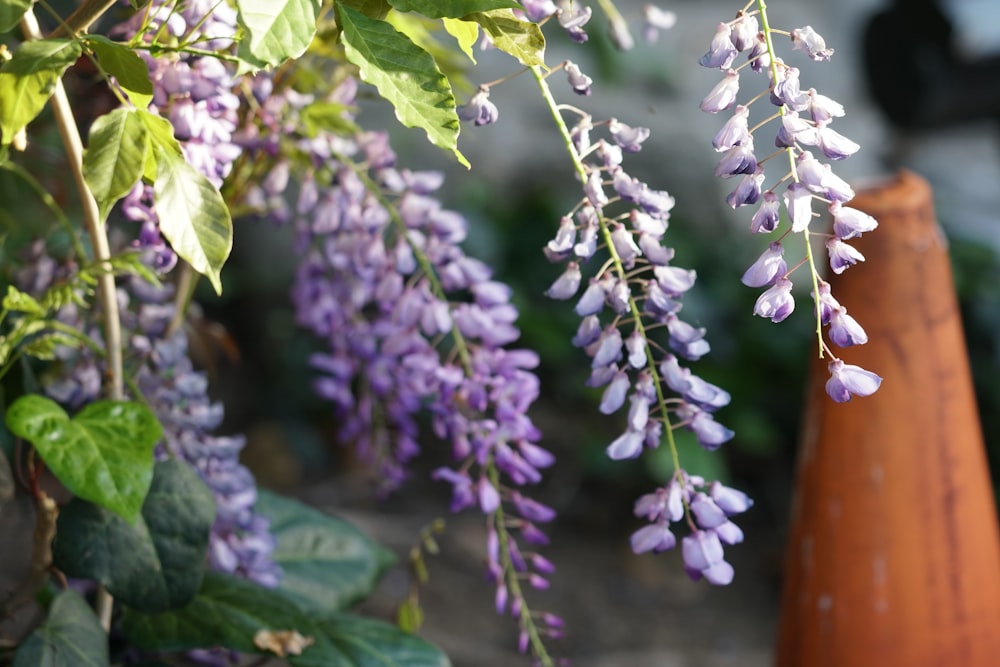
x: 154, y: 565
x: 326, y: 563
x: 104, y: 454
x: 230, y: 612
x: 71, y: 636
x: 370, y: 643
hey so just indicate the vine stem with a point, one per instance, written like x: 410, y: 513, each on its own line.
x: 767, y: 30
x: 581, y: 173
x: 66, y: 123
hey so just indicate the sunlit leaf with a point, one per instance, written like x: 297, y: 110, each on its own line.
x: 104, y: 454
x: 278, y: 29
x: 405, y: 75
x: 193, y: 216
x: 121, y: 62
x: 466, y: 33
x: 28, y: 79
x: 11, y: 12
x: 115, y: 156
x: 454, y: 9
x: 521, y: 39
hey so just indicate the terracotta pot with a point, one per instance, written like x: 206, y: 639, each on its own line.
x: 893, y: 556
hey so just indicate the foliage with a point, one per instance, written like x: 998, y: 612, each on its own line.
x: 213, y: 111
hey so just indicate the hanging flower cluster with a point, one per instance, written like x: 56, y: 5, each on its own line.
x: 803, y: 119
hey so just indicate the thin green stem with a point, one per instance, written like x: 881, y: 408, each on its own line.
x: 616, y: 260
x: 814, y: 274
x: 50, y: 202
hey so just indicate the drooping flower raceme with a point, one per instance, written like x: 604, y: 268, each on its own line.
x: 635, y: 291
x: 412, y: 327
x: 802, y: 130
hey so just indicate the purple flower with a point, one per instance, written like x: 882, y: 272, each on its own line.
x: 768, y: 268
x: 655, y: 20
x: 654, y: 537
x: 479, y: 109
x: 627, y: 137
x: 811, y: 43
x: 768, y: 214
x: 738, y: 160
x: 567, y: 284
x: 845, y: 330
x: 536, y: 10
x: 744, y: 31
x: 735, y: 131
x: 578, y: 81
x: 850, y: 222
x: 747, y: 190
x: 573, y: 15
x: 798, y: 203
x: 847, y: 380
x: 842, y: 255
x: 776, y: 303
x: 721, y: 51
x: 723, y: 95
x: 626, y: 446
x: 703, y: 557
x: 834, y: 145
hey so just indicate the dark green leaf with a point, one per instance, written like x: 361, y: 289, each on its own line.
x: 28, y: 79
x: 71, y: 636
x: 104, y: 454
x: 193, y: 216
x: 373, y: 9
x: 115, y: 156
x: 121, y: 62
x: 327, y: 564
x: 370, y: 643
x: 521, y: 39
x: 278, y: 29
x: 405, y: 75
x: 226, y: 612
x: 156, y: 564
x: 454, y: 9
x: 11, y: 12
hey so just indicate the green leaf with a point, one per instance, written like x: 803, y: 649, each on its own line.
x: 521, y: 39
x: 373, y: 9
x: 405, y: 75
x: 160, y: 135
x: 466, y: 33
x: 104, y: 454
x: 277, y: 29
x: 121, y: 62
x: 454, y: 9
x: 328, y: 116
x: 327, y: 564
x: 370, y: 643
x: 193, y: 216
x: 11, y: 12
x: 20, y: 302
x: 227, y: 611
x: 28, y: 79
x: 71, y: 636
x: 154, y: 565
x: 115, y: 156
